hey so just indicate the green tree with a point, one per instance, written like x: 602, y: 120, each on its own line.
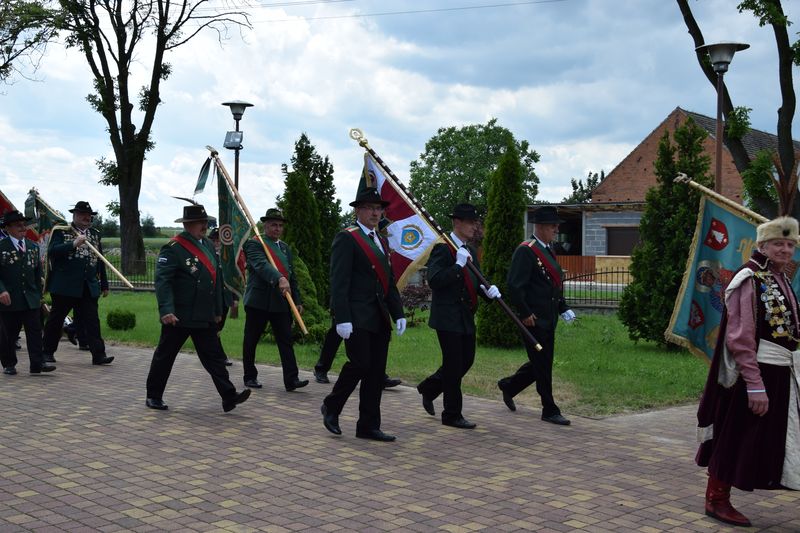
x: 117, y: 37
x: 503, y: 231
x: 300, y: 210
x: 149, y: 228
x: 582, y: 194
x: 666, y: 230
x: 315, y: 317
x: 457, y: 163
x: 25, y: 29
x: 320, y: 179
x: 768, y: 12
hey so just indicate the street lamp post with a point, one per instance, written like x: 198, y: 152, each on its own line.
x: 721, y: 55
x: 233, y: 139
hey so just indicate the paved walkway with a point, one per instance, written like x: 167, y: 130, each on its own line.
x: 80, y: 452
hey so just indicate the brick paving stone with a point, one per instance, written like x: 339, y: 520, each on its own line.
x: 106, y: 463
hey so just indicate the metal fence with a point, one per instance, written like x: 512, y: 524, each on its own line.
x: 141, y: 281
x: 601, y: 288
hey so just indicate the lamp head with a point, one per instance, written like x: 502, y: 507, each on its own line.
x: 237, y: 108
x: 721, y: 54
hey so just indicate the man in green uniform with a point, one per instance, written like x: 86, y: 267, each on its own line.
x: 453, y: 305
x: 188, y: 285
x: 76, y: 279
x: 20, y: 295
x: 535, y: 286
x: 364, y: 301
x: 264, y: 301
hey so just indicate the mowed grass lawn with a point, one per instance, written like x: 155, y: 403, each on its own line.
x: 598, y: 370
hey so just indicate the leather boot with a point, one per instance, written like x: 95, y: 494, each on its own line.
x: 718, y: 504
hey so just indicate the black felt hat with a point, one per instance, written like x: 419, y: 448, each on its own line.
x: 547, y: 214
x: 12, y: 216
x: 465, y: 212
x: 194, y: 213
x: 83, y: 207
x: 369, y: 195
x: 273, y: 214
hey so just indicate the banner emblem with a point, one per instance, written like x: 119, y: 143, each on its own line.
x: 226, y: 234
x: 411, y: 237
x: 717, y: 236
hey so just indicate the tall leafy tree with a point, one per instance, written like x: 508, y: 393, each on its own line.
x: 25, y: 29
x: 666, y: 230
x: 319, y: 171
x: 300, y: 210
x: 116, y: 36
x: 458, y: 162
x: 582, y: 194
x: 768, y: 13
x: 503, y: 231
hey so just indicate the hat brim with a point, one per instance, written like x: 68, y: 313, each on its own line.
x: 203, y: 219
x: 82, y: 211
x: 548, y: 221
x: 465, y: 217
x: 357, y: 203
x: 7, y: 222
x: 264, y: 219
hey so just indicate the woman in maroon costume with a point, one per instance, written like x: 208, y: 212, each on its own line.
x: 749, y: 419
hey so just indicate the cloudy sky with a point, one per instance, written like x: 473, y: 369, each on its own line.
x: 584, y: 81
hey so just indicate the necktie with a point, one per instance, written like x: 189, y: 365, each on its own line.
x: 376, y: 241
x: 21, y: 246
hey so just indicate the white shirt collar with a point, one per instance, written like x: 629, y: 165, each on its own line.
x: 365, y: 229
x: 16, y: 241
x: 540, y: 241
x: 458, y: 242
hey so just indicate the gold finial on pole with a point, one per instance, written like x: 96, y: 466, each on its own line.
x: 357, y: 135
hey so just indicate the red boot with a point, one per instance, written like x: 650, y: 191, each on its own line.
x: 718, y: 504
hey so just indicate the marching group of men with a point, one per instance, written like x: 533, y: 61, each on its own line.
x: 365, y: 307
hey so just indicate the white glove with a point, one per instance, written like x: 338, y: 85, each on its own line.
x: 568, y: 316
x: 344, y: 330
x: 401, y: 326
x: 492, y: 292
x: 462, y: 254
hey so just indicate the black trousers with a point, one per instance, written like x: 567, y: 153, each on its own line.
x: 366, y: 354
x: 539, y: 368
x: 85, y: 309
x: 209, y: 350
x: 13, y: 322
x: 329, y: 348
x: 458, y: 354
x: 254, y: 325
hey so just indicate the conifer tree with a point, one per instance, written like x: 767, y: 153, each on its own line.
x: 503, y: 231
x: 302, y: 233
x: 666, y: 230
x: 320, y: 179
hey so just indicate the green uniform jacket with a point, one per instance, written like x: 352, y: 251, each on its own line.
x: 451, y: 305
x: 262, y: 278
x: 71, y: 267
x: 20, y: 275
x: 356, y: 293
x: 185, y: 288
x: 530, y: 288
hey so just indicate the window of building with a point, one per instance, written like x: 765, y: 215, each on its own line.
x: 621, y: 240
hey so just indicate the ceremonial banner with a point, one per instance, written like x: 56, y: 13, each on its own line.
x: 723, y: 241
x: 410, y: 237
x: 233, y: 232
x: 45, y: 218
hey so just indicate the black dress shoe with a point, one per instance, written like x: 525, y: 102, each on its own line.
x: 103, y: 360
x: 427, y: 404
x: 321, y: 377
x: 48, y: 358
x: 297, y: 384
x: 252, y: 384
x: 84, y: 347
x: 154, y: 403
x: 507, y: 398
x: 330, y: 421
x: 375, y: 434
x: 46, y: 367
x: 388, y: 382
x: 10, y: 371
x: 228, y: 362
x: 229, y: 405
x: 556, y: 419
x: 71, y: 337
x: 460, y: 422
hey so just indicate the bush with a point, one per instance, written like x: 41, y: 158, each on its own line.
x: 415, y: 298
x: 120, y: 319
